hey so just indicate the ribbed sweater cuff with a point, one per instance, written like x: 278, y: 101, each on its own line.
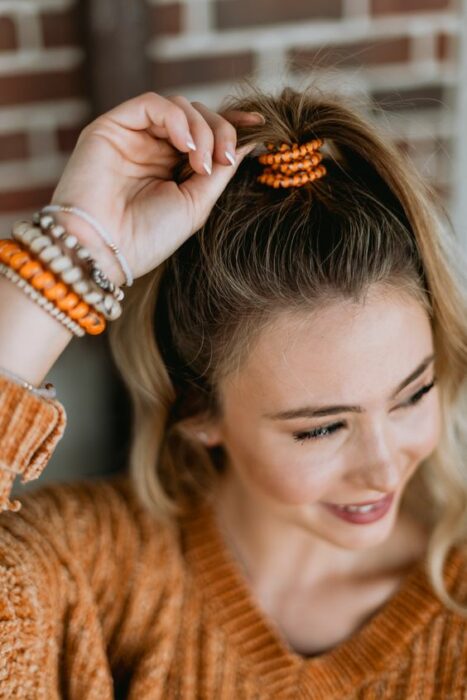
x: 30, y: 428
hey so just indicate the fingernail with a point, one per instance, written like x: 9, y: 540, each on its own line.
x: 229, y: 154
x: 190, y: 143
x: 258, y: 116
x: 207, y: 163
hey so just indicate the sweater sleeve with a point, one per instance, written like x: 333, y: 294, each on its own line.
x: 30, y: 428
x: 81, y: 589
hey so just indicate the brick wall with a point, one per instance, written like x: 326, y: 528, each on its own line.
x: 398, y: 55
x: 43, y: 99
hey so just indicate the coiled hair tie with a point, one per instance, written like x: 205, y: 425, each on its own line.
x: 292, y: 165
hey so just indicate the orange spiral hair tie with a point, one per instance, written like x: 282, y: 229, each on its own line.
x: 292, y: 165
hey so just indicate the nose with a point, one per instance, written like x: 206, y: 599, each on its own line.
x: 376, y: 460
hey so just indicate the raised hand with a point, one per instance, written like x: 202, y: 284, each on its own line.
x: 121, y: 172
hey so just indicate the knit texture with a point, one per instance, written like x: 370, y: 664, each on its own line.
x: 98, y: 600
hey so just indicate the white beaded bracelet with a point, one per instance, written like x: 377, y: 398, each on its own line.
x: 49, y: 306
x: 46, y: 390
x: 58, y: 232
x: 50, y: 253
x: 100, y: 230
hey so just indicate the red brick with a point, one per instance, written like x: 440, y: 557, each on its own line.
x: 63, y: 28
x: 67, y: 137
x: 47, y: 85
x: 360, y: 53
x: 13, y: 146
x: 200, y: 69
x: 25, y: 199
x: 245, y: 13
x: 433, y: 97
x: 390, y: 7
x: 165, y: 19
x: 447, y: 47
x: 8, y: 39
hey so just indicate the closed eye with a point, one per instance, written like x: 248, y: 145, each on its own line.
x: 325, y: 431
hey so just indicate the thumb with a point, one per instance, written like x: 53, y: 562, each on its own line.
x: 204, y: 190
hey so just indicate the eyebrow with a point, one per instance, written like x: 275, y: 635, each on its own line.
x: 315, y: 411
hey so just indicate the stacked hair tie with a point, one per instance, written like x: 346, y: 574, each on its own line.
x: 54, y: 270
x: 292, y: 165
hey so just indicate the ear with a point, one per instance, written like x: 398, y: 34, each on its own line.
x: 202, y: 429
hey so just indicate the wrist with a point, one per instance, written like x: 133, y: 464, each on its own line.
x: 88, y: 238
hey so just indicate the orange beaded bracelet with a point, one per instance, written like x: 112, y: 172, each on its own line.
x: 14, y: 256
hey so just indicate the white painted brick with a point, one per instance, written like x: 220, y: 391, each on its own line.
x: 309, y: 34
x: 44, y: 115
x: 17, y: 175
x: 36, y: 60
x: 197, y: 18
x: 270, y: 64
x: 356, y: 8
x: 423, y: 47
x: 12, y: 7
x: 28, y: 30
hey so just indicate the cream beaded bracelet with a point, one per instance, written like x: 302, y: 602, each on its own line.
x: 100, y: 230
x: 58, y: 262
x: 49, y: 226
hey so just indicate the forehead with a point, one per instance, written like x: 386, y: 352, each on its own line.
x: 335, y: 351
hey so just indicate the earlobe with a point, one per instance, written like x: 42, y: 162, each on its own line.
x: 197, y: 430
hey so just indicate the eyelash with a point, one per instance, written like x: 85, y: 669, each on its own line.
x: 334, y: 427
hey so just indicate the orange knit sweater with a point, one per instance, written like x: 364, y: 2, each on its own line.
x: 99, y: 601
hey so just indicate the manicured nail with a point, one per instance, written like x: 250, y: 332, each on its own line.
x: 190, y: 143
x: 229, y: 154
x: 258, y: 116
x: 207, y: 163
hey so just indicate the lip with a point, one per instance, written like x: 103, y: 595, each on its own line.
x: 362, y: 503
x: 382, y: 507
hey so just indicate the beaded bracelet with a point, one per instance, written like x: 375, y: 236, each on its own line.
x: 50, y: 227
x: 45, y: 391
x: 10, y: 274
x: 13, y: 256
x: 44, y: 248
x: 100, y: 230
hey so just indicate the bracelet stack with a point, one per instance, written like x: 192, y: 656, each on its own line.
x: 54, y: 270
x: 61, y: 276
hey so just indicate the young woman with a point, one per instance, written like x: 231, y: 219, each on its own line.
x: 295, y: 345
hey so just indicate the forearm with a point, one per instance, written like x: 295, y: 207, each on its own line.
x: 31, y: 339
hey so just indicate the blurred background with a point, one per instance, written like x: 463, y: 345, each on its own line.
x: 63, y: 62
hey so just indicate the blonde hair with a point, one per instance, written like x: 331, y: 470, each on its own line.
x: 191, y: 321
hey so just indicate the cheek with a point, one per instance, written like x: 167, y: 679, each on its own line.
x: 289, y: 474
x: 426, y: 435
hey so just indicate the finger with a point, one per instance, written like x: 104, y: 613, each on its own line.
x: 237, y: 116
x: 225, y: 134
x: 203, y: 192
x: 153, y: 113
x: 201, y: 159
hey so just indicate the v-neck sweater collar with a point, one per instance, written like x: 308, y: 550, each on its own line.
x: 259, y: 645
